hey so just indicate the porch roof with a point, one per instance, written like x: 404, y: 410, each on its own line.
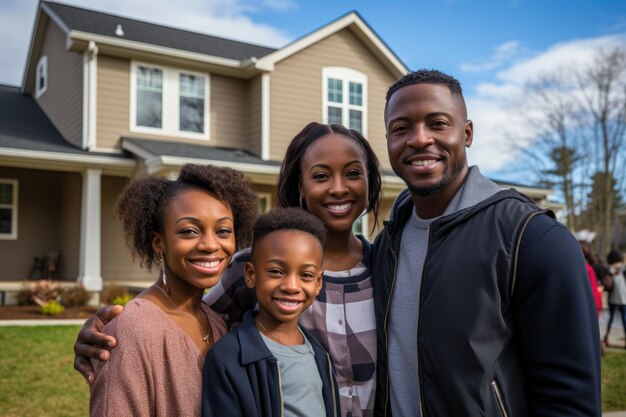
x: 28, y: 139
x: 162, y: 156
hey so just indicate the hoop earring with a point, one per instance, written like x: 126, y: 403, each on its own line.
x: 302, y: 202
x: 162, y: 262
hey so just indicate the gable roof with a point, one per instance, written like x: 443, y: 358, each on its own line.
x: 75, y: 19
x: 359, y: 27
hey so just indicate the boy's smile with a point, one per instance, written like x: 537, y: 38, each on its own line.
x: 286, y: 270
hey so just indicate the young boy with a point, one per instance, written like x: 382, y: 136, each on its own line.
x: 269, y: 366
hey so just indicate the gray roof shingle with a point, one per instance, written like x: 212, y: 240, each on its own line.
x: 99, y: 23
x: 23, y: 125
x: 192, y: 151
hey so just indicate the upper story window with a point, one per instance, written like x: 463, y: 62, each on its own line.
x: 345, y: 98
x: 8, y: 209
x: 42, y: 76
x: 169, y: 101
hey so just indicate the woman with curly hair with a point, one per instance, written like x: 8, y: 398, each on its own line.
x: 190, y: 228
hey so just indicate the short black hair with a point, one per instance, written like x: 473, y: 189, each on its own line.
x: 425, y: 76
x: 614, y: 257
x: 290, y: 218
x: 290, y: 175
x: 142, y: 204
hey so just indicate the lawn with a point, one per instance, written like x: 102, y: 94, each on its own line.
x: 37, y: 377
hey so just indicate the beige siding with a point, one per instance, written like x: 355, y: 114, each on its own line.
x: 117, y: 263
x: 229, y: 112
x: 113, y: 101
x: 63, y: 99
x: 41, y: 203
x: 229, y: 108
x: 254, y: 115
x: 69, y: 220
x: 296, y: 90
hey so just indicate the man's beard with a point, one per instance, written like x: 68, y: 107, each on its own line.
x: 443, y: 183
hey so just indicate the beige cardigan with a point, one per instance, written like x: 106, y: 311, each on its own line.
x: 155, y: 370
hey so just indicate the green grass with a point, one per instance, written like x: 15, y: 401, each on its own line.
x: 614, y: 381
x: 37, y: 376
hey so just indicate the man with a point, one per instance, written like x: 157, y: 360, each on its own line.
x: 483, y: 304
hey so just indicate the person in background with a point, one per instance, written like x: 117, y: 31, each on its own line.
x: 593, y: 279
x: 617, y: 296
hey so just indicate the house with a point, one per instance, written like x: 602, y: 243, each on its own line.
x: 106, y: 98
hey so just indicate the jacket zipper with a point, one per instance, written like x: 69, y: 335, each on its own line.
x: 499, y: 398
x: 393, y: 284
x: 280, y: 389
x: 332, y: 384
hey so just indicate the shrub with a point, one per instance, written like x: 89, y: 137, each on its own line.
x: 75, y: 296
x: 39, y: 293
x: 51, y: 308
x: 122, y: 299
x: 114, y: 294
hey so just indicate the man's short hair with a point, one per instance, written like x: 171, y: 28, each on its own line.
x: 425, y: 76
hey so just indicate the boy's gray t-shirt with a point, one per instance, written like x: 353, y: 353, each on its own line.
x: 301, y: 383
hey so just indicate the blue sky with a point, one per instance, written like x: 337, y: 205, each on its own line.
x: 493, y: 47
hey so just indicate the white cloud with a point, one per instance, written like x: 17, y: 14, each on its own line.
x: 496, y: 124
x: 225, y: 18
x: 501, y: 54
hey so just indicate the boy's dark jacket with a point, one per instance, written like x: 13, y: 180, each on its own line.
x: 498, y: 334
x: 241, y: 376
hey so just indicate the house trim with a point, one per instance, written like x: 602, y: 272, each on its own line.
x: 90, y: 80
x: 60, y: 161
x: 153, y: 49
x: 265, y: 116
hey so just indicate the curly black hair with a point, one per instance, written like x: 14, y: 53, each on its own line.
x: 290, y: 218
x: 290, y: 175
x: 424, y: 76
x: 143, y: 202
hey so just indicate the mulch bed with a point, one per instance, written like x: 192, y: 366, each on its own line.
x: 32, y: 312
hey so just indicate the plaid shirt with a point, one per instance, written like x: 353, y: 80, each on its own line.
x: 341, y: 318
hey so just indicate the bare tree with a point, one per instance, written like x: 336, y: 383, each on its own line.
x: 552, y: 117
x: 603, y: 88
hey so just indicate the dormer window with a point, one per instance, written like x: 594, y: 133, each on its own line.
x: 170, y: 102
x: 42, y: 76
x: 345, y: 98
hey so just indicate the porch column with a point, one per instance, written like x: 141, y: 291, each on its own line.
x: 89, y: 264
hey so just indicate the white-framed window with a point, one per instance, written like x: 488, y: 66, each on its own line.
x: 42, y: 76
x: 169, y: 101
x: 8, y: 208
x: 344, y: 99
x: 264, y: 201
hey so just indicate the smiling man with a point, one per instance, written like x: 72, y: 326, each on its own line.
x: 482, y: 302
